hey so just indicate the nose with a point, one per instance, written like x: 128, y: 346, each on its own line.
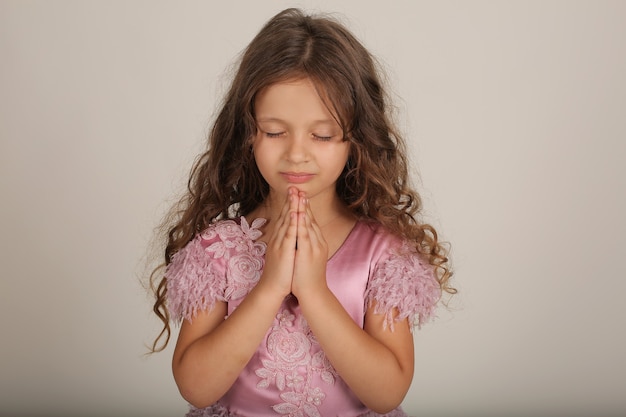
x: 297, y: 150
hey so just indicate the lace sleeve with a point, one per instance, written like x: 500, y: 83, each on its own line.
x: 406, y: 283
x: 194, y: 281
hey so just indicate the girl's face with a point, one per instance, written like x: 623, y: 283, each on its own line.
x: 298, y: 142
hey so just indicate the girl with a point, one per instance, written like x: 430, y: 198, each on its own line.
x: 296, y: 262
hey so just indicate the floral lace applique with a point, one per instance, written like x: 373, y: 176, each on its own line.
x: 237, y: 245
x: 290, y: 345
x: 406, y: 283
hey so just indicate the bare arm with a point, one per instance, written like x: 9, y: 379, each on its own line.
x: 212, y: 351
x: 376, y: 363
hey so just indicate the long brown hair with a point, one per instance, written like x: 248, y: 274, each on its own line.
x: 226, y: 182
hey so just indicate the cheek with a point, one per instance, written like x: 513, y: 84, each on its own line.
x: 261, y: 151
x: 337, y: 159
x: 264, y: 155
x: 343, y: 153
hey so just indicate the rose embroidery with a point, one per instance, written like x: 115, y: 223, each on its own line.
x: 244, y: 272
x: 295, y: 358
x: 228, y: 229
x: 236, y: 243
x: 290, y: 349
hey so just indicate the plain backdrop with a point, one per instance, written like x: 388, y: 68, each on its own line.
x: 515, y: 112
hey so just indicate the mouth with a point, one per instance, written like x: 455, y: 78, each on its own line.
x: 297, y: 177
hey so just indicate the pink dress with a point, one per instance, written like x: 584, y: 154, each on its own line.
x: 289, y: 375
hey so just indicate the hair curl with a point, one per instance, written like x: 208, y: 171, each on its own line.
x: 226, y: 182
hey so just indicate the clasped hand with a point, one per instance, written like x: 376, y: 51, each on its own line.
x: 296, y: 256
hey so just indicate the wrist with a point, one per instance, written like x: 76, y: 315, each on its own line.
x: 313, y: 295
x: 270, y: 292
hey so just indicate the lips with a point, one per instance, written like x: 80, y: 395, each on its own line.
x: 297, y: 177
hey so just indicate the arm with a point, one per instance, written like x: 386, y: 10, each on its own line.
x: 212, y: 351
x: 376, y: 363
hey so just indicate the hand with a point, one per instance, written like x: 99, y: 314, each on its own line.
x: 312, y: 253
x: 281, y: 247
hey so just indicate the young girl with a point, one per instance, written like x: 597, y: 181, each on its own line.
x: 296, y: 262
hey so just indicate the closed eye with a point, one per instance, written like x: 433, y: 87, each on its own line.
x: 322, y: 138
x: 273, y: 134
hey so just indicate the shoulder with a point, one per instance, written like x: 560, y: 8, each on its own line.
x: 196, y: 275
x: 220, y: 236
x: 378, y: 241
x: 231, y: 230
x: 401, y: 279
x: 217, y: 243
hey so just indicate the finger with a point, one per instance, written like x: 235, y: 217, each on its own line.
x: 312, y: 225
x: 291, y: 220
x: 313, y: 231
x: 307, y: 229
x: 282, y: 223
x: 303, y: 232
x: 294, y: 200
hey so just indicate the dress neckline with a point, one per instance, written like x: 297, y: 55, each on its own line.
x: 345, y: 241
x: 333, y: 256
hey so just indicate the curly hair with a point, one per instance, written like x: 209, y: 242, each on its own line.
x: 374, y: 185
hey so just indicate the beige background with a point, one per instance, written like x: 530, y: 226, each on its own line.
x: 516, y: 115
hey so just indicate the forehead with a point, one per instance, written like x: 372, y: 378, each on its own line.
x: 298, y: 98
